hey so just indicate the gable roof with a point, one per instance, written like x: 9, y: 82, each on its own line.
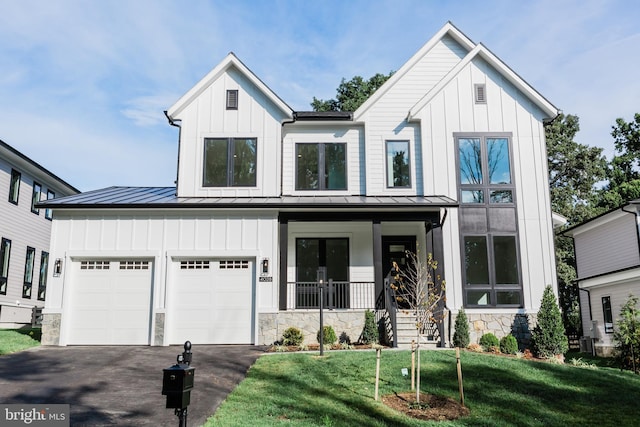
x: 231, y: 60
x: 474, y: 51
x: 604, y: 217
x: 447, y: 30
x: 480, y: 51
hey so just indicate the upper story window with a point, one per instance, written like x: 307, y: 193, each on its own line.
x: 321, y: 166
x: 5, y: 253
x: 14, y: 186
x: 230, y: 162
x: 48, y: 213
x: 35, y: 198
x: 398, y: 164
x: 232, y: 99
x: 485, y: 170
x: 28, y: 272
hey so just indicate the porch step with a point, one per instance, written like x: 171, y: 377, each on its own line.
x: 406, y: 325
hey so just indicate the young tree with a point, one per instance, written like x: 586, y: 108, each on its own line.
x: 627, y: 335
x: 421, y: 290
x: 351, y: 94
x: 548, y: 338
x: 461, y: 335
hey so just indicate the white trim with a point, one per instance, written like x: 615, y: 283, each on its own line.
x: 611, y: 279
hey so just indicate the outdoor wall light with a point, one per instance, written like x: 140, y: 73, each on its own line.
x: 57, y: 267
x: 265, y: 265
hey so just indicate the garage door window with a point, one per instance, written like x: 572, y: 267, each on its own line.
x: 234, y: 264
x: 94, y: 265
x: 134, y: 265
x: 194, y: 265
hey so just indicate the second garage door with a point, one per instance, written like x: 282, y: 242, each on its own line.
x: 212, y: 302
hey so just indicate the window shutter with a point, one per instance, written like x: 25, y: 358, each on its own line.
x: 232, y: 99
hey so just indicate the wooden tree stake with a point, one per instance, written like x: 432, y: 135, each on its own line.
x: 459, y: 376
x: 378, y: 351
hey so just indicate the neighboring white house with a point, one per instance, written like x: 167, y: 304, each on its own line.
x: 447, y: 157
x: 607, y: 250
x: 25, y: 232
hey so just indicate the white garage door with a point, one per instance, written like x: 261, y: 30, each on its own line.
x: 110, y: 302
x: 212, y: 302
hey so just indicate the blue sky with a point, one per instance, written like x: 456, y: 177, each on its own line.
x: 84, y: 83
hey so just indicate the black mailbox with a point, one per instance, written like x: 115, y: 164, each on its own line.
x: 177, y: 383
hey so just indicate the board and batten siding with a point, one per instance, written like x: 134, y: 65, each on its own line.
x: 611, y: 246
x: 351, y: 135
x: 207, y: 116
x: 507, y: 111
x: 160, y: 236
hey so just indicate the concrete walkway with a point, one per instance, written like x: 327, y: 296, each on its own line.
x: 121, y: 385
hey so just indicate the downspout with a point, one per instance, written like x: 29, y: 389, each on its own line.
x: 444, y: 218
x: 173, y: 123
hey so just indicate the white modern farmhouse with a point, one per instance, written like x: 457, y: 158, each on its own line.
x: 447, y: 157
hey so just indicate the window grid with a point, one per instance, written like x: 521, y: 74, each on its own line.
x: 234, y: 264
x: 94, y: 265
x: 230, y: 162
x: 321, y: 166
x: 134, y: 265
x: 194, y: 265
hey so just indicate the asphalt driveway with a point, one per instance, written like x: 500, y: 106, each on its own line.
x: 121, y: 385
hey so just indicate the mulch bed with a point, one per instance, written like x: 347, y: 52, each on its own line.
x: 432, y: 408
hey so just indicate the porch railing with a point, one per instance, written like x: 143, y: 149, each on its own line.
x: 337, y: 295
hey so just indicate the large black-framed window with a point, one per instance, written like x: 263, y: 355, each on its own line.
x: 607, y: 314
x: 230, y: 162
x: 29, y: 263
x: 330, y: 255
x: 398, y: 164
x: 42, y: 280
x: 488, y: 221
x: 485, y: 172
x: 5, y: 255
x: 14, y: 186
x: 321, y: 166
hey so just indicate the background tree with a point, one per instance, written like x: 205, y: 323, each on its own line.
x: 574, y: 172
x: 351, y: 93
x: 627, y: 335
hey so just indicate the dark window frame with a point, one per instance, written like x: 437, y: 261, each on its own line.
x: 36, y: 194
x: 322, y: 172
x: 29, y: 266
x: 607, y: 314
x: 386, y: 164
x: 48, y: 213
x: 14, y: 186
x: 42, y: 279
x: 5, y: 263
x: 231, y: 147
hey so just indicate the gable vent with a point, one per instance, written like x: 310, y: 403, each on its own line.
x: 480, y: 93
x: 232, y: 99
x: 194, y: 265
x: 234, y: 264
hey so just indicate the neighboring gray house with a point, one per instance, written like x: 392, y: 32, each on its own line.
x: 25, y: 231
x: 607, y: 250
x: 448, y: 157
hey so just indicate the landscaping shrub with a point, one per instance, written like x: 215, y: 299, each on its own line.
x: 548, y: 338
x: 292, y: 336
x: 509, y: 344
x: 627, y: 335
x: 329, y: 335
x: 489, y: 341
x: 461, y: 335
x: 370, y: 331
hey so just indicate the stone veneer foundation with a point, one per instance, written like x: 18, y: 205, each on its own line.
x: 51, y: 329
x: 501, y: 324
x: 272, y: 325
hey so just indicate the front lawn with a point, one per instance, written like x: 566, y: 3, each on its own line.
x: 338, y: 389
x: 12, y: 340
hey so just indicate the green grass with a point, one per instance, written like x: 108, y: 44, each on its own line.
x: 13, y: 340
x: 338, y: 389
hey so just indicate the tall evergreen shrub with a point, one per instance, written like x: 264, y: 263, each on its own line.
x: 548, y: 338
x: 627, y: 335
x: 461, y: 335
x: 370, y: 331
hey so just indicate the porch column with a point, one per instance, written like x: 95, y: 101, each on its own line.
x: 378, y: 274
x: 284, y: 246
x: 435, y: 245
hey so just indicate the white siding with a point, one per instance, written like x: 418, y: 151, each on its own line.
x: 611, y: 246
x: 256, y: 117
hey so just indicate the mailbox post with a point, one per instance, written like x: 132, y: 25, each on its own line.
x: 177, y: 382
